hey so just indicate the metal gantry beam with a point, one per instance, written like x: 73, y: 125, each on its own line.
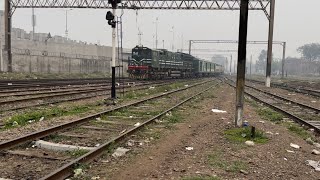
x: 211, y: 50
x: 145, y: 4
x: 232, y: 41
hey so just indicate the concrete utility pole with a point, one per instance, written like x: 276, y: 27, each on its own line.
x: 182, y: 43
x: 1, y: 57
x: 190, y: 47
x: 250, y: 63
x: 7, y: 33
x: 172, y: 38
x: 234, y: 66
x: 270, y: 43
x: 242, y: 50
x: 226, y: 65
x: 230, y: 64
x: 140, y: 38
x: 33, y: 24
x: 157, y: 33
x: 283, y: 58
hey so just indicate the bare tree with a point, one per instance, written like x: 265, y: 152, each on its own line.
x: 310, y: 52
x: 261, y: 63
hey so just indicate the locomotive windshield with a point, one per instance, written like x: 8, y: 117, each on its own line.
x: 141, y: 55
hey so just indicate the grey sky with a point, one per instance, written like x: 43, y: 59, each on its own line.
x: 295, y: 22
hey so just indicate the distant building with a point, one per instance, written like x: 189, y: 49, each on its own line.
x: 21, y: 34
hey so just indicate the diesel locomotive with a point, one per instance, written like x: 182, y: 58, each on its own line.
x: 146, y: 63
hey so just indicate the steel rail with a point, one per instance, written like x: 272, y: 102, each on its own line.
x: 26, y: 84
x: 71, y: 90
x: 91, y: 90
x: 37, y: 89
x: 65, y: 89
x: 291, y: 88
x: 13, y: 88
x: 52, y: 91
x: 51, y: 96
x: 46, y: 80
x: 280, y: 110
x: 79, y: 98
x: 53, y: 84
x: 67, y: 170
x: 51, y: 130
x: 286, y: 99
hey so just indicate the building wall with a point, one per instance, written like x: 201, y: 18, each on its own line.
x: 56, y: 54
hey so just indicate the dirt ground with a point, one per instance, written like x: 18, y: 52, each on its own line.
x: 213, y: 156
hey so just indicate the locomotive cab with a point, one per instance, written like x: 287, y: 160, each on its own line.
x: 140, y: 62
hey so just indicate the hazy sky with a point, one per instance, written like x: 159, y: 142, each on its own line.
x: 296, y: 21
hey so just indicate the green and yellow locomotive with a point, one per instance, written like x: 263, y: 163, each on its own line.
x: 147, y: 63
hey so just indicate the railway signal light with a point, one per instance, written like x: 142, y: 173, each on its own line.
x: 110, y: 18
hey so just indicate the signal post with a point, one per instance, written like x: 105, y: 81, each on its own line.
x: 110, y: 17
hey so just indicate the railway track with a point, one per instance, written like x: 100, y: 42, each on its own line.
x: 17, y: 92
x: 25, y: 84
x: 301, y: 113
x: 72, y: 95
x: 100, y: 129
x: 307, y: 91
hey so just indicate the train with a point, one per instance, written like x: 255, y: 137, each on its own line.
x: 147, y: 63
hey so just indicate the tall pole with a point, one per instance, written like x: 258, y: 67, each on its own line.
x: 33, y: 24
x: 140, y: 37
x: 250, y: 63
x: 182, y: 43
x: 283, y: 58
x: 7, y: 33
x: 234, y: 66
x: 66, y: 32
x: 172, y: 38
x: 113, y: 63
x: 1, y: 57
x: 162, y: 44
x: 190, y: 47
x: 157, y: 33
x: 153, y: 41
x: 242, y: 50
x: 231, y: 64
x: 226, y: 65
x: 270, y: 42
